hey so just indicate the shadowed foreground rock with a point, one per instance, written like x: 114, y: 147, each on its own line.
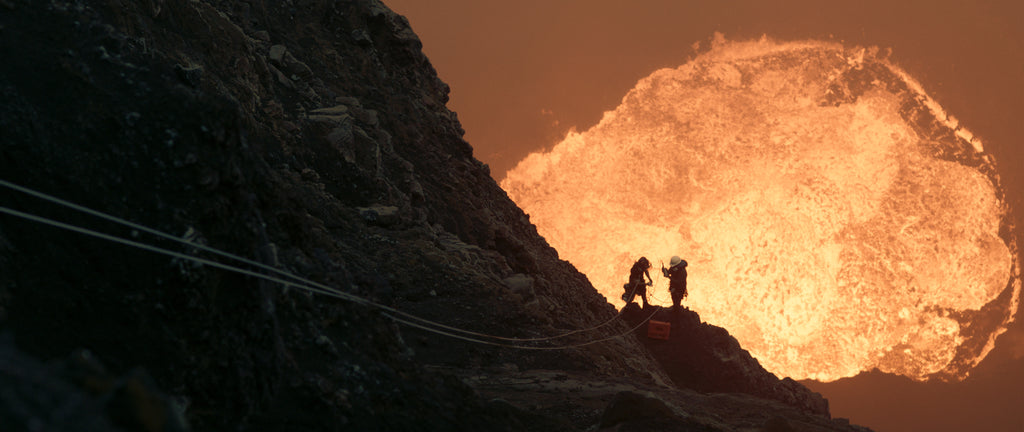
x: 706, y: 358
x: 311, y: 137
x: 78, y: 394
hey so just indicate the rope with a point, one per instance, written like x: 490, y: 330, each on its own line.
x: 650, y: 293
x: 582, y: 344
x: 331, y: 293
x: 280, y: 272
x: 308, y: 285
x: 163, y: 251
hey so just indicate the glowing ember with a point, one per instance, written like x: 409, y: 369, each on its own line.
x: 834, y: 218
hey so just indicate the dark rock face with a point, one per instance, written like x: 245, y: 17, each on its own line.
x: 312, y: 137
x: 309, y: 136
x: 74, y: 390
x: 706, y: 358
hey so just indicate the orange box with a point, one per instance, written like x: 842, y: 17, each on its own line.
x: 658, y: 329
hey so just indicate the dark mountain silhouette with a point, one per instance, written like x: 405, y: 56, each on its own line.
x: 312, y: 137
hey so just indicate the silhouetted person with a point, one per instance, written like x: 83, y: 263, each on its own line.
x: 676, y: 274
x: 636, y: 285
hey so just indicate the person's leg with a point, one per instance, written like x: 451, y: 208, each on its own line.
x: 631, y: 292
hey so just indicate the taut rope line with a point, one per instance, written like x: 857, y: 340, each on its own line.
x: 307, y: 285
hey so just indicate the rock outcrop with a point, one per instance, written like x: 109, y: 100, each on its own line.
x: 703, y: 357
x: 307, y: 136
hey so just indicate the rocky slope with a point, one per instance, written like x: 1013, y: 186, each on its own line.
x: 309, y: 136
x: 703, y: 357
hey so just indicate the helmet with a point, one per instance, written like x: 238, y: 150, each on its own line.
x: 643, y: 262
x: 675, y: 260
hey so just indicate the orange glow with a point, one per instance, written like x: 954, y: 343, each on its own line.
x: 834, y: 217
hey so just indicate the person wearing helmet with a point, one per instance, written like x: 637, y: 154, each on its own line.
x: 676, y: 274
x: 636, y: 285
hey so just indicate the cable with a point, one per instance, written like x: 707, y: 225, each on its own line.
x: 216, y: 251
x: 651, y: 296
x: 649, y: 293
x: 341, y: 295
x: 582, y: 344
x: 160, y: 250
x: 312, y: 286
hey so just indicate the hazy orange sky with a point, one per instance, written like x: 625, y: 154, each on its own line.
x: 523, y: 72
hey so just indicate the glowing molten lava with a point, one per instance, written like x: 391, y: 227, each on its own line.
x: 834, y: 218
